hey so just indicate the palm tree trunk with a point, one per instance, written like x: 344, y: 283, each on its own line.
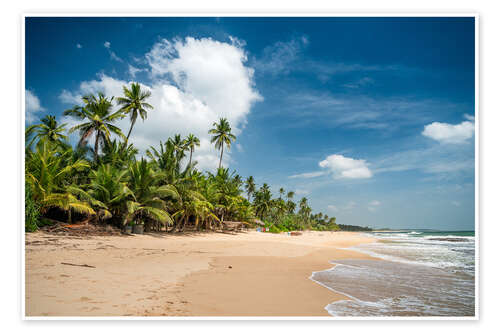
x: 96, y: 145
x: 130, y: 130
x: 221, y: 152
x: 190, y: 156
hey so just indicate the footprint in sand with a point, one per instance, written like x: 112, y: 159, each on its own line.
x: 85, y: 299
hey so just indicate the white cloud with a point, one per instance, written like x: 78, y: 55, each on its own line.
x: 79, y: 46
x: 373, y: 205
x: 278, y: 58
x: 134, y: 70
x: 346, y: 167
x: 32, y: 106
x: 448, y: 133
x: 210, y: 81
x: 107, y: 45
x: 332, y: 208
x: 301, y: 192
x: 308, y: 174
x: 115, y: 57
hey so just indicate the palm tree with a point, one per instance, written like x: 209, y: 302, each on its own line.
x: 179, y: 146
x: 99, y: 118
x: 48, y: 130
x: 282, y: 192
x: 290, y: 195
x: 48, y: 172
x: 134, y: 104
x: 222, y: 135
x: 250, y: 186
x: 148, y: 200
x: 191, y: 142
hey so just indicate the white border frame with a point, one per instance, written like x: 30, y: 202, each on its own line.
x: 245, y: 14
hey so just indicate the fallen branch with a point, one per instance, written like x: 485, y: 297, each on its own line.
x: 84, y: 265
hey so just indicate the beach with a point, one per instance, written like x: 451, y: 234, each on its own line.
x: 199, y: 274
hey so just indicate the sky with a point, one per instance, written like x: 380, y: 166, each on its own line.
x: 371, y: 119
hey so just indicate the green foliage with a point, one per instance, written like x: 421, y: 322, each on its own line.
x: 164, y: 192
x: 31, y: 211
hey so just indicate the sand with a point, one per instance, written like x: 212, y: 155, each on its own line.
x: 207, y: 274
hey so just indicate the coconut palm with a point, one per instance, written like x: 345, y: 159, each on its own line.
x: 222, y: 135
x: 48, y: 173
x: 48, y: 130
x: 108, y: 185
x: 148, y: 196
x: 250, y: 186
x: 179, y: 146
x: 98, y: 116
x: 191, y: 142
x: 282, y: 192
x: 134, y: 104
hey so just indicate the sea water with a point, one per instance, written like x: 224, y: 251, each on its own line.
x: 424, y: 273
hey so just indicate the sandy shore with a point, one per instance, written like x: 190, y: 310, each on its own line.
x: 214, y: 274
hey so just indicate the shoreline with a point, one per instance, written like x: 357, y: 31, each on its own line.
x: 207, y: 274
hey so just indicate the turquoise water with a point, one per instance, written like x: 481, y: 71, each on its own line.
x: 424, y: 273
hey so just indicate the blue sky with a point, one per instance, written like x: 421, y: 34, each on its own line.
x: 372, y: 119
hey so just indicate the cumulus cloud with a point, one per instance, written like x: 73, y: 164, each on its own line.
x: 32, y: 106
x: 107, y: 45
x: 448, y: 133
x: 194, y: 83
x: 346, y: 167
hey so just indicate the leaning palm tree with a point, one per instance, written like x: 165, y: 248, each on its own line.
x: 99, y: 117
x: 222, y: 135
x: 191, y: 142
x: 48, y: 130
x: 250, y: 186
x: 134, y: 103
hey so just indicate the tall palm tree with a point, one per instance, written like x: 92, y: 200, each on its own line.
x: 250, y: 186
x: 179, y: 146
x: 97, y: 111
x: 282, y: 192
x: 222, y: 135
x: 47, y: 130
x: 134, y: 104
x: 191, y: 142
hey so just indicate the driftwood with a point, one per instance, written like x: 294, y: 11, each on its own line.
x: 81, y: 229
x: 70, y: 264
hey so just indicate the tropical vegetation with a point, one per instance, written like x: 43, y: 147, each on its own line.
x: 104, y: 179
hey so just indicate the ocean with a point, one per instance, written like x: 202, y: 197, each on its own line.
x: 424, y: 273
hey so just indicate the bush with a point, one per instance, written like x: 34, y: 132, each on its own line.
x: 32, y: 211
x: 274, y: 229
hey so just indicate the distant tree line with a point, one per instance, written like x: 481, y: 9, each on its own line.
x: 347, y: 227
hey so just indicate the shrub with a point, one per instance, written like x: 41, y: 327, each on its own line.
x: 32, y: 211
